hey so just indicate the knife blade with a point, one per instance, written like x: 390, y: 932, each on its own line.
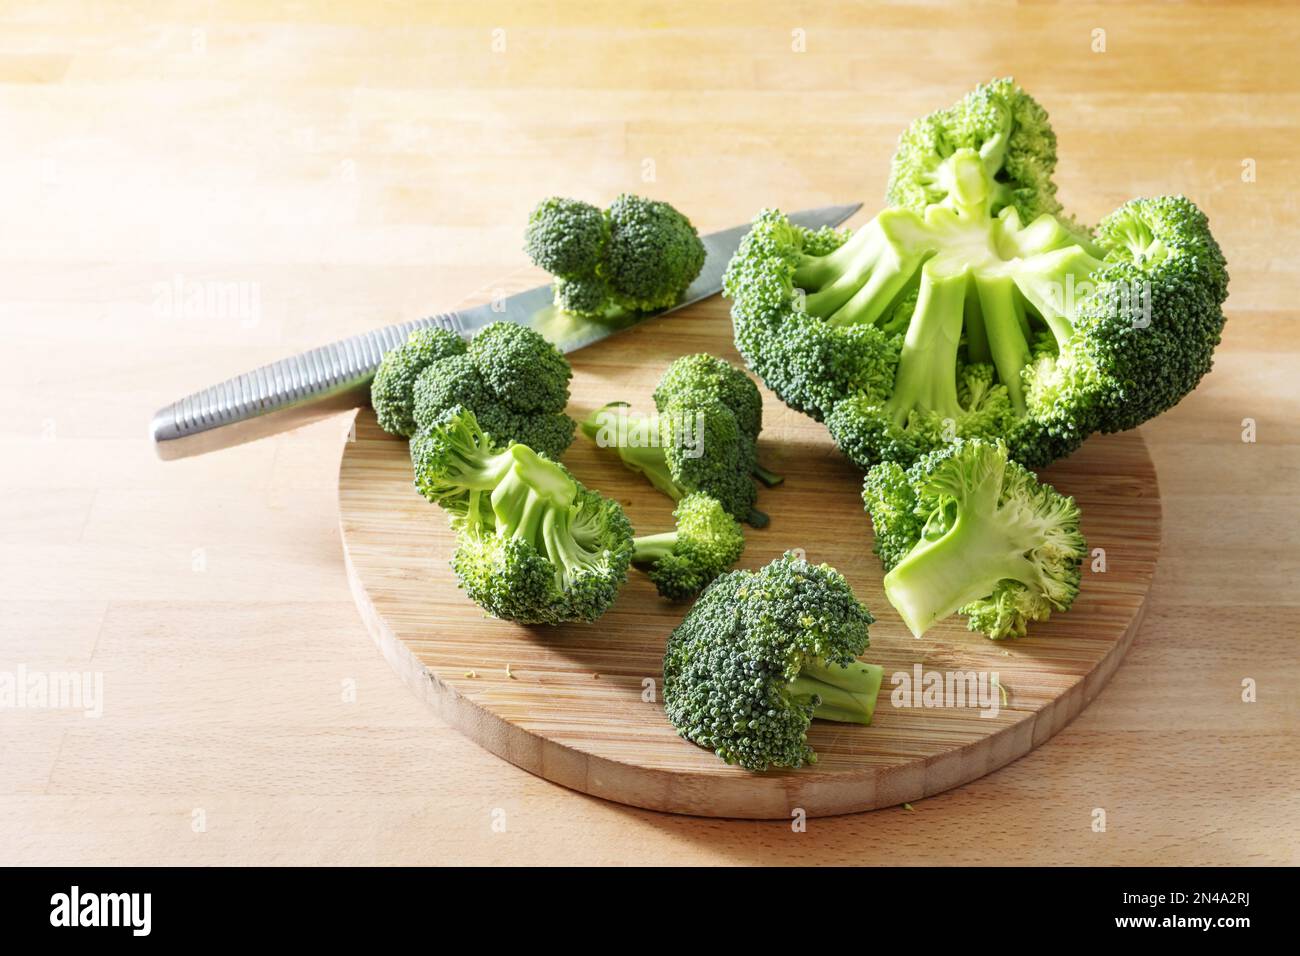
x: 324, y: 381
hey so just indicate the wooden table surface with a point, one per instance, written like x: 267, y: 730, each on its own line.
x: 201, y: 188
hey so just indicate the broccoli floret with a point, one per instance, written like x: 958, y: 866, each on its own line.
x: 639, y: 255
x: 392, y: 392
x: 566, y: 237
x: 521, y: 368
x: 972, y: 309
x: 703, y: 377
x: 683, y: 562
x: 1007, y: 128
x: 654, y: 253
x: 764, y: 653
x: 683, y: 449
x: 515, y: 382
x: 534, y: 545
x: 966, y: 531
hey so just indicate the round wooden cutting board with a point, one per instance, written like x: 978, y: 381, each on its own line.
x: 579, y: 704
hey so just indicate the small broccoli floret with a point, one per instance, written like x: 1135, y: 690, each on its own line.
x: 654, y: 253
x: 393, y: 390
x: 706, y: 378
x: 761, y: 655
x: 566, y: 237
x: 639, y: 255
x: 683, y: 449
x: 972, y: 309
x: 534, y: 546
x: 515, y: 382
x: 683, y: 562
x: 966, y: 531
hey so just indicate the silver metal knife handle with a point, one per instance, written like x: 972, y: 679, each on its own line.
x: 282, y: 395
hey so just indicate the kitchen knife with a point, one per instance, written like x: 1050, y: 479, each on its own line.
x: 332, y: 378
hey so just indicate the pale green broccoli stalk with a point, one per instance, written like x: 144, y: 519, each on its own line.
x: 682, y: 562
x: 761, y: 655
x: 639, y: 255
x: 515, y: 382
x: 971, y: 309
x: 683, y: 449
x: 966, y: 531
x: 534, y: 545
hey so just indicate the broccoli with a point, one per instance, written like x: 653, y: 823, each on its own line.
x: 639, y: 255
x: 971, y: 308
x: 693, y: 378
x: 515, y: 382
x: 684, y: 448
x: 683, y: 562
x: 966, y: 530
x: 534, y: 545
x: 764, y: 653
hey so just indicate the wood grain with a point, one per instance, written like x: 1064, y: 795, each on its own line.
x: 569, y: 703
x: 362, y: 163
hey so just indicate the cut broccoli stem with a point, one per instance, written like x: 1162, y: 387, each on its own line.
x: 531, y: 488
x: 927, y: 368
x: 757, y: 519
x: 983, y: 547
x: 767, y: 477
x: 844, y: 693
x: 651, y: 462
x: 649, y: 548
x: 563, y: 548
x: 637, y: 440
x: 1054, y: 283
x: 1004, y: 324
x: 977, y: 340
x: 832, y: 279
x: 888, y: 278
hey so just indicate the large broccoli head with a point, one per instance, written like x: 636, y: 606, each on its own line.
x: 764, y: 653
x: 961, y: 319
x: 515, y: 382
x: 534, y: 545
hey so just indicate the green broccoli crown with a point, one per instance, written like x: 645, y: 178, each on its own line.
x: 521, y: 368
x: 961, y: 320
x: 566, y: 237
x: 762, y: 654
x: 685, y: 448
x: 1009, y: 131
x: 515, y: 382
x: 534, y: 545
x: 704, y: 377
x: 654, y: 253
x: 965, y: 530
x: 392, y: 392
x: 639, y: 255
x: 683, y: 562
x: 1147, y: 335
